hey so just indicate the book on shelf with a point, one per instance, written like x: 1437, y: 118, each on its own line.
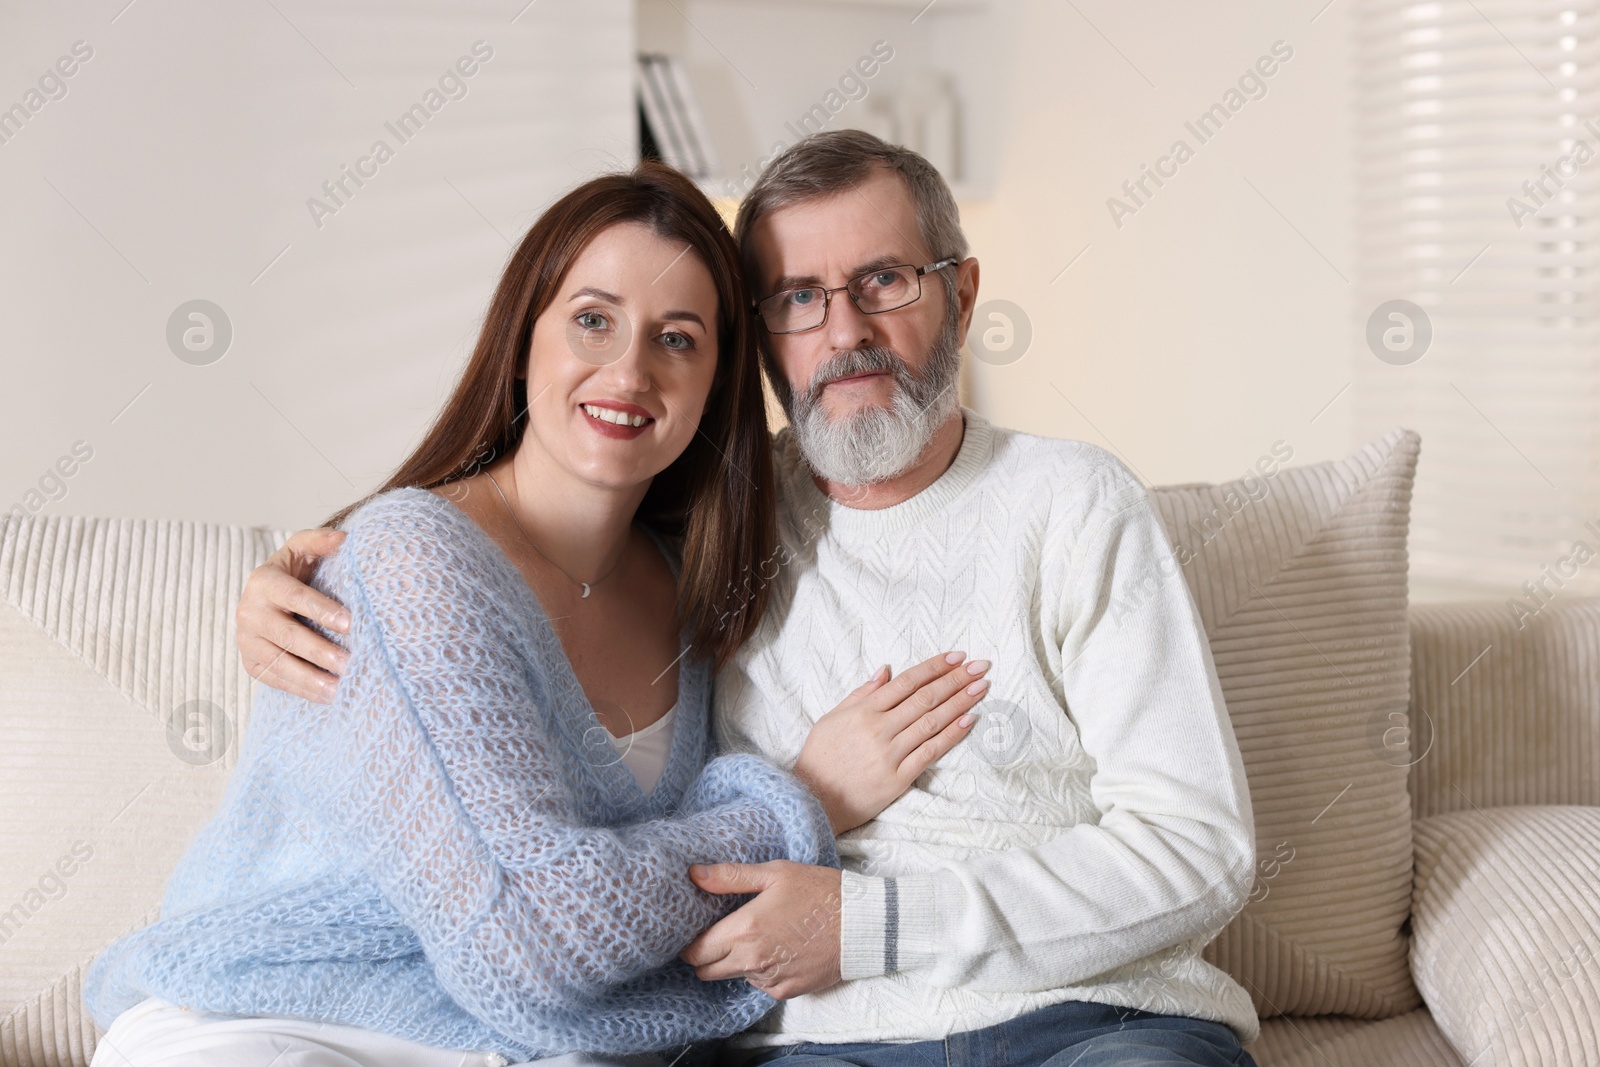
x: 672, y: 126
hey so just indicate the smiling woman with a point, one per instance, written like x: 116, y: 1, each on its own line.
x: 617, y: 257
x: 483, y: 848
x: 480, y: 852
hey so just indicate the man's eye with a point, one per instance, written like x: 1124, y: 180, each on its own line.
x: 592, y: 320
x: 885, y: 279
x: 678, y: 341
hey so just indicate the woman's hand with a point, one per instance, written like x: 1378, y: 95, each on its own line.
x: 863, y: 754
x: 278, y: 649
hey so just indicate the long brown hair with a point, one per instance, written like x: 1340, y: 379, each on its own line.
x: 718, y: 495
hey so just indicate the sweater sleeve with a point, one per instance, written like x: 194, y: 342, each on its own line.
x: 443, y: 786
x: 1171, y: 856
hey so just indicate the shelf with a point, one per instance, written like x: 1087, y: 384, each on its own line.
x: 767, y: 72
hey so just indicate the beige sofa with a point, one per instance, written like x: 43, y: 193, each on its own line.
x: 1424, y: 780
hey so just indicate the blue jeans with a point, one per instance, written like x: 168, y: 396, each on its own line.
x: 1071, y: 1034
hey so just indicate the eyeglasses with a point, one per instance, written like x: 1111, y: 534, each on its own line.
x: 873, y: 293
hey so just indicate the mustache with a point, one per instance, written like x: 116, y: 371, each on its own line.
x: 857, y: 361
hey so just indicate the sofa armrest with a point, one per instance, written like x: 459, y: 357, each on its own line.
x: 1505, y: 704
x: 1506, y: 932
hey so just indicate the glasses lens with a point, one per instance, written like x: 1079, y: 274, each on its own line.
x: 795, y: 309
x: 885, y: 290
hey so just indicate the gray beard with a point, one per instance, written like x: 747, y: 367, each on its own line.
x: 877, y: 443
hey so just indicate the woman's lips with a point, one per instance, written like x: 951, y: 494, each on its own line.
x: 598, y: 417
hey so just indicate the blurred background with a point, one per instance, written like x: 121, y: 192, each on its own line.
x: 245, y: 248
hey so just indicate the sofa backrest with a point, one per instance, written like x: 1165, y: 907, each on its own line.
x: 122, y: 704
x: 122, y: 701
x: 1505, y: 703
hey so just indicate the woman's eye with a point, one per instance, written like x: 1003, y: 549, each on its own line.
x: 802, y: 297
x: 592, y: 320
x: 679, y: 341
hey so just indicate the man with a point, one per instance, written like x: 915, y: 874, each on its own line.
x: 1041, y: 894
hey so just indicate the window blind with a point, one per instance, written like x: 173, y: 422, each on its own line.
x: 1478, y: 141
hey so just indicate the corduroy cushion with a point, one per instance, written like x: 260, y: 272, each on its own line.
x: 1504, y: 704
x: 121, y: 704
x: 1409, y: 1040
x: 1506, y: 932
x: 1299, y: 574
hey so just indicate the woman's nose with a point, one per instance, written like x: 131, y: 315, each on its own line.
x: 630, y: 371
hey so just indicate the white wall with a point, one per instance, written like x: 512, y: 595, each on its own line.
x: 1206, y: 328
x: 178, y: 166
x: 1214, y: 321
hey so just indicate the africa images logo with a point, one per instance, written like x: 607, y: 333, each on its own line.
x: 1252, y: 85
x: 339, y: 190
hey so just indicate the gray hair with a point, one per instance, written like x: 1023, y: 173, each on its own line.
x: 835, y: 160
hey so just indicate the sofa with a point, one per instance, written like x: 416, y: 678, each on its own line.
x: 1425, y: 778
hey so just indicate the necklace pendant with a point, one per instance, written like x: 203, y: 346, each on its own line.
x: 585, y: 590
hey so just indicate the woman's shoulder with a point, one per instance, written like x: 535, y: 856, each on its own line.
x: 397, y: 509
x: 413, y: 529
x: 410, y: 514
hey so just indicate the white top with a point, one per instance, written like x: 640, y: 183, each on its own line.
x: 645, y: 750
x: 1094, y: 830
x: 157, y: 1031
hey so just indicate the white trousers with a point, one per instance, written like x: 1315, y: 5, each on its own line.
x: 154, y: 1032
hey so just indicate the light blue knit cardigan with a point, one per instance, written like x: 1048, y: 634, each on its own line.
x: 453, y: 852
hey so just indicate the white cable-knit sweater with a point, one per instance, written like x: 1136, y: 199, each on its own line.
x: 1094, y: 831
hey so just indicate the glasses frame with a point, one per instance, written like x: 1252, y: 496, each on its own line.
x: 827, y: 294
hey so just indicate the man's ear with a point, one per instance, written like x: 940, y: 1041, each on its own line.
x: 966, y: 293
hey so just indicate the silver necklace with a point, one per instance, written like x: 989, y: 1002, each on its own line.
x: 585, y: 586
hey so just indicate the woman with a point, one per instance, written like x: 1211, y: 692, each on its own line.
x: 478, y: 853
